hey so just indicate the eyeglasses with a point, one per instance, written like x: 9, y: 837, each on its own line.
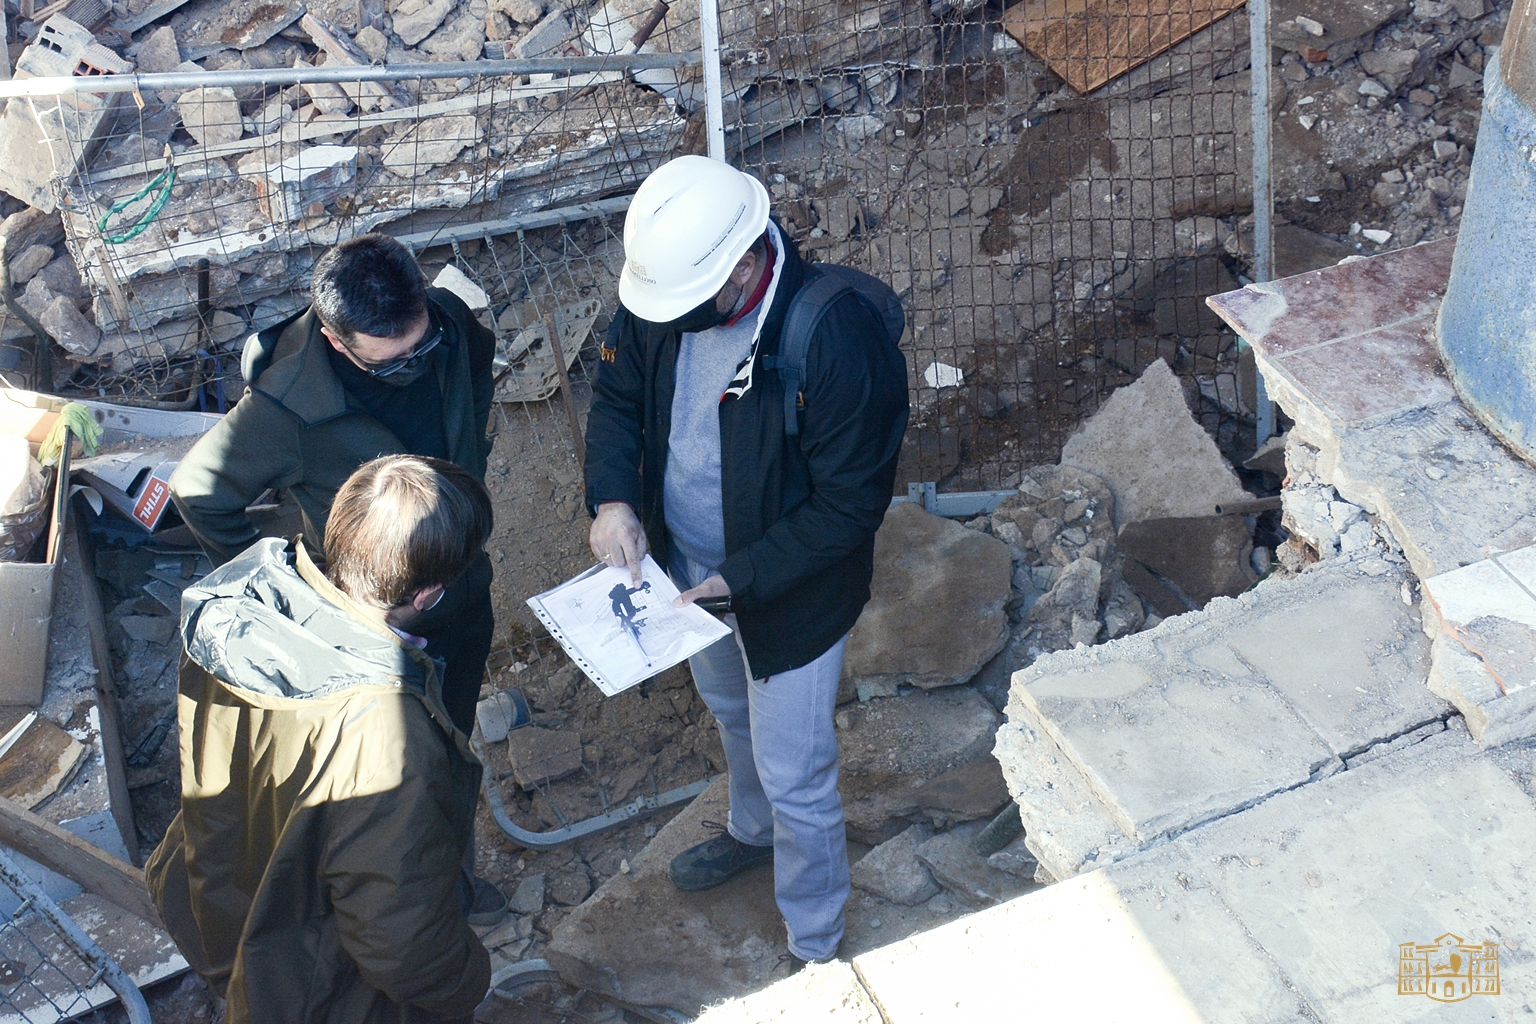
x: 411, y: 361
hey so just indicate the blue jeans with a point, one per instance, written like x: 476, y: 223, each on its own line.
x: 781, y: 751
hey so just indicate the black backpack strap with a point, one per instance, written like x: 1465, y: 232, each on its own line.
x: 806, y: 309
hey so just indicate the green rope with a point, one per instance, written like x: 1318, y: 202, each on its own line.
x: 164, y: 180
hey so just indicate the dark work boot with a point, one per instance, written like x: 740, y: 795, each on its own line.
x: 715, y: 860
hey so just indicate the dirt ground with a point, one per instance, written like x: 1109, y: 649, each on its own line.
x: 1041, y: 344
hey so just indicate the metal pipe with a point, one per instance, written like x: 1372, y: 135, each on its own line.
x: 638, y: 808
x: 639, y: 39
x: 1243, y: 508
x: 60, y: 501
x: 714, y: 105
x: 339, y: 73
x: 508, y: 225
x: 41, y: 377
x: 37, y: 901
x: 1259, y: 61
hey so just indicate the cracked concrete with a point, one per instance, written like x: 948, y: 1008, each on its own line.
x: 1112, y: 747
x: 1292, y: 910
x: 1349, y: 353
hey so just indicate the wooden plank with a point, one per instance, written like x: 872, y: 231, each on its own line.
x: 39, y: 759
x: 81, y: 547
x: 1090, y: 42
x: 93, y: 870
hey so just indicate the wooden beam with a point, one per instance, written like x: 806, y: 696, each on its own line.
x: 94, y: 870
x: 80, y: 546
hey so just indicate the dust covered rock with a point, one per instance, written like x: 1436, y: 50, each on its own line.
x: 935, y: 615
x: 893, y: 872
x: 890, y: 747
x: 1172, y: 469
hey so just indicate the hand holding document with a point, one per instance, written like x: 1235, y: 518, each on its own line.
x: 620, y: 633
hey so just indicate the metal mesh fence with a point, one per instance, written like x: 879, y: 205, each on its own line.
x: 1053, y: 216
x: 1049, y: 241
x: 50, y: 970
x: 1052, y: 191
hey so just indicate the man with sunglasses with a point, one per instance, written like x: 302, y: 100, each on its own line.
x: 379, y: 364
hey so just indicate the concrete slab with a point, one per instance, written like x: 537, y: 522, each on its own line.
x: 1482, y: 588
x: 1166, y: 746
x: 1451, y: 494
x: 1330, y: 879
x: 1483, y: 618
x: 1216, y: 710
x: 1349, y: 353
x: 821, y: 992
x: 1296, y: 909
x: 1348, y: 655
x: 1111, y: 946
x: 1065, y: 825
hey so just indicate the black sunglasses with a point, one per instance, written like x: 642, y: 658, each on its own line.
x: 411, y: 361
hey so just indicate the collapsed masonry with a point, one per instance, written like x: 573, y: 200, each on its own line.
x: 254, y: 181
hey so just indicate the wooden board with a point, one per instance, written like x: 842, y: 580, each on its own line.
x: 92, y: 869
x: 39, y: 759
x: 1090, y: 42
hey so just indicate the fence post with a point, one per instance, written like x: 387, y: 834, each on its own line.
x: 714, y: 106
x: 1263, y: 188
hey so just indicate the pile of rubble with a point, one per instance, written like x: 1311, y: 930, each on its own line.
x: 253, y: 180
x: 1377, y: 112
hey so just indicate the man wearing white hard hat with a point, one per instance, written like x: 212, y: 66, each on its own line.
x: 690, y: 455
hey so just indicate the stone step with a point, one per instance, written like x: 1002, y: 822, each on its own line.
x: 1065, y: 826
x: 1351, y: 353
x: 1319, y: 905
x: 1213, y: 711
x: 1483, y: 620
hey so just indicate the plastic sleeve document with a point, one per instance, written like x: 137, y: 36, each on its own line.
x: 620, y: 634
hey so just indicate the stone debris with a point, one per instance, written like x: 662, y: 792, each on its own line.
x: 937, y: 611
x: 66, y: 325
x: 33, y: 259
x: 539, y: 755
x: 890, y: 747
x: 893, y: 871
x: 973, y: 790
x: 211, y: 115
x: 1173, y: 471
x: 41, y: 139
x: 965, y: 874
x: 1016, y: 859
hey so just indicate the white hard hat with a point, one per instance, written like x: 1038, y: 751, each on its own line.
x: 689, y: 224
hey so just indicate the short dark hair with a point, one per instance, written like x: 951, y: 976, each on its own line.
x: 368, y: 285
x: 402, y: 523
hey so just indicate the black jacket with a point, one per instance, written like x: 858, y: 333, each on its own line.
x: 297, y: 427
x: 800, y: 512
